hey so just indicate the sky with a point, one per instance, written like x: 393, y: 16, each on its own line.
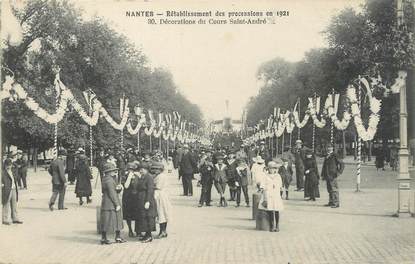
x: 214, y: 63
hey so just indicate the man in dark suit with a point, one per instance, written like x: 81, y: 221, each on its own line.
x: 332, y: 168
x: 187, y: 167
x: 299, y: 153
x: 57, y: 171
x: 9, y: 193
x: 264, y: 152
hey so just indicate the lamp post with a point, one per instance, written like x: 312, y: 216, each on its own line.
x: 404, y: 180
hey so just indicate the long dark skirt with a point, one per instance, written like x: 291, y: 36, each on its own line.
x: 111, y: 221
x: 145, y: 224
x: 311, y: 187
x: 130, y: 207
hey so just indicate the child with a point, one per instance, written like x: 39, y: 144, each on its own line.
x: 243, y: 178
x: 286, y: 173
x: 220, y: 178
x: 206, y: 178
x: 169, y: 164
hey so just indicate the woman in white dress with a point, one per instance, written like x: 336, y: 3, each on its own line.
x: 258, y: 171
x: 161, y: 197
x: 271, y: 200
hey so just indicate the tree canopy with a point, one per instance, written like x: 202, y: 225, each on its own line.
x: 368, y: 43
x: 90, y: 55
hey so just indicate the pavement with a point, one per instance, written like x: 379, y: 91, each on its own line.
x: 362, y: 230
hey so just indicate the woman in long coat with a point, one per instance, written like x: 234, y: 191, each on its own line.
x: 380, y: 158
x: 130, y: 196
x: 161, y: 196
x: 70, y: 166
x: 312, y: 177
x: 146, y: 221
x: 83, y: 178
x: 271, y: 200
x: 111, y: 213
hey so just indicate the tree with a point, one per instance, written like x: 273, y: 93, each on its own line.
x: 366, y: 44
x: 90, y: 55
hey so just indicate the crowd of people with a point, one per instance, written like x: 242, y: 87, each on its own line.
x: 134, y: 183
x: 237, y: 169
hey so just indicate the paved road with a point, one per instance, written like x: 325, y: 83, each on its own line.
x: 360, y: 231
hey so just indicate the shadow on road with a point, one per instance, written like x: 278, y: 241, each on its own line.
x: 46, y: 209
x: 317, y: 209
x: 239, y: 218
x: 78, y: 239
x: 236, y: 227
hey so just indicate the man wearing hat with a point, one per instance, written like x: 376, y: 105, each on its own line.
x: 241, y: 154
x: 187, y: 167
x: 332, y: 168
x: 206, y: 178
x: 57, y: 171
x: 251, y: 153
x: 19, y: 164
x: 9, y: 193
x: 70, y: 166
x: 264, y: 152
x: 299, y: 153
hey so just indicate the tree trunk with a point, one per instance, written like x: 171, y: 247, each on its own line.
x: 344, y: 143
x: 35, y: 158
x: 369, y: 156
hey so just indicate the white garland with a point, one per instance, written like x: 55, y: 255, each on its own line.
x: 66, y: 98
x: 141, y: 122
x: 289, y: 126
x: 280, y: 126
x: 297, y: 119
x: 157, y: 133
x: 319, y: 123
x: 375, y: 104
x: 110, y: 120
x: 331, y: 111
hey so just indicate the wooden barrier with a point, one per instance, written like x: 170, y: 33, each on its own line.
x: 255, y: 202
x: 99, y: 219
x: 262, y: 220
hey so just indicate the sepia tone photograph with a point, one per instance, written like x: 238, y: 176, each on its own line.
x: 207, y: 132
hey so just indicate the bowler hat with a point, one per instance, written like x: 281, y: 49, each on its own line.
x: 143, y: 165
x: 131, y: 166
x: 157, y: 165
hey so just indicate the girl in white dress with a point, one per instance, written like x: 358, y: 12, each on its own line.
x: 271, y: 200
